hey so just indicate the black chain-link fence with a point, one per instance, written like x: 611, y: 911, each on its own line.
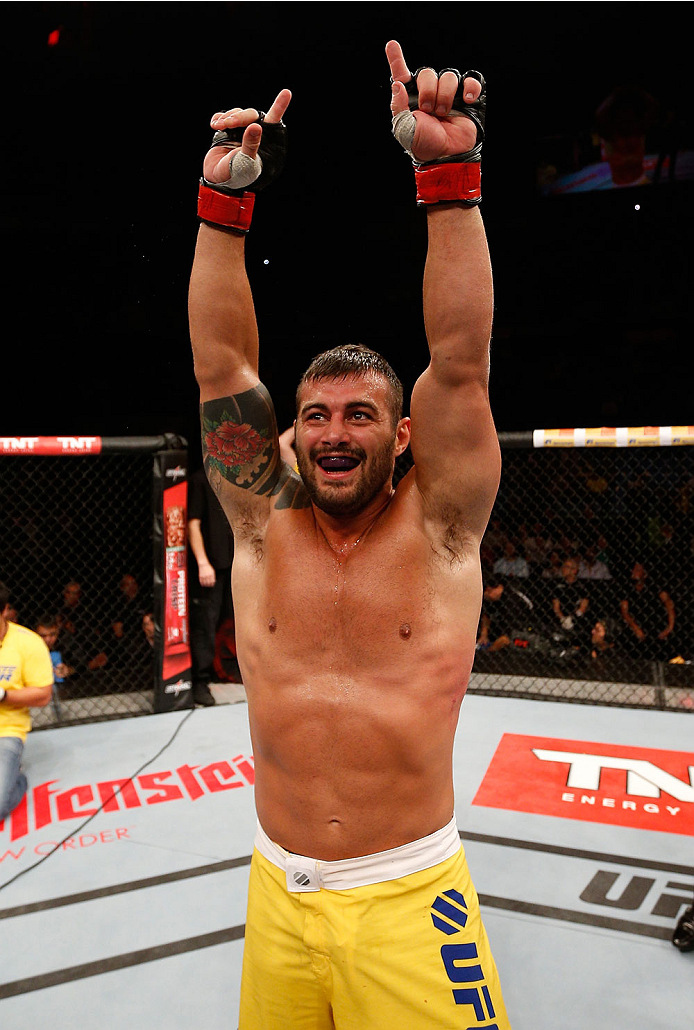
x: 76, y: 552
x: 587, y: 564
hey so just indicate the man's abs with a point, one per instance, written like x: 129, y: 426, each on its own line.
x: 355, y: 670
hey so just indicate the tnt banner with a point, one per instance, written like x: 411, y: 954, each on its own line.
x: 173, y: 684
x: 643, y: 788
x: 50, y: 445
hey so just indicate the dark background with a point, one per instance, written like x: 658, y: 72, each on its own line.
x: 104, y: 134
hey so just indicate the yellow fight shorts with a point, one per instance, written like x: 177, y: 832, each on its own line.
x: 391, y: 941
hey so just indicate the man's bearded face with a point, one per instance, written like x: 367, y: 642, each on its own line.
x: 345, y: 442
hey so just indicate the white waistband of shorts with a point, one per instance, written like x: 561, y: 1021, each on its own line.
x: 310, y: 874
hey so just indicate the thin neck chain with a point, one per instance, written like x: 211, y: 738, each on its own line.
x: 348, y: 548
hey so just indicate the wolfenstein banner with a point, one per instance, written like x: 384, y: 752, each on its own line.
x: 173, y: 671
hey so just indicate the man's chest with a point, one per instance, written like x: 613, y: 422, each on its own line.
x: 378, y: 594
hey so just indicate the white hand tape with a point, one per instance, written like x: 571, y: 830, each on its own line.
x: 243, y: 170
x: 404, y: 125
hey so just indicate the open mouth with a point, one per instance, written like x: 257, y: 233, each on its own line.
x: 338, y: 463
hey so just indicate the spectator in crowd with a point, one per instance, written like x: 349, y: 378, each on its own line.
x: 536, y: 547
x: 552, y: 569
x: 71, y: 614
x: 596, y: 578
x: 512, y: 563
x: 212, y: 546
x: 26, y: 681
x: 666, y: 558
x: 48, y: 629
x: 570, y: 600
x: 601, y: 642
x: 78, y: 631
x: 72, y: 663
x: 649, y: 612
x: 148, y: 628
x: 141, y: 652
x: 590, y: 566
x: 623, y: 122
x: 506, y: 612
x: 126, y: 624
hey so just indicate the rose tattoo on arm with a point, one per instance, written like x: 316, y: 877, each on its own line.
x: 240, y: 444
x: 233, y: 449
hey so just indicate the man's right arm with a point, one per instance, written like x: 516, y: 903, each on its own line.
x: 239, y: 430
x: 223, y: 328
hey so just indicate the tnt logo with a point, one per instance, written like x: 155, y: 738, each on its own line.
x: 644, y: 788
x: 449, y: 914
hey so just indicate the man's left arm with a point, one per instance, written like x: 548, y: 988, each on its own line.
x: 27, y: 697
x: 439, y: 119
x: 454, y: 441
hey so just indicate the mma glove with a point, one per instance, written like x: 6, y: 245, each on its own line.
x: 229, y: 205
x: 456, y: 177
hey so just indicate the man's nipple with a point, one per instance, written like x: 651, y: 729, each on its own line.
x: 272, y: 624
x: 405, y: 631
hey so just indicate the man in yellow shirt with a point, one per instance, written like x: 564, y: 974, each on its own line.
x: 26, y: 681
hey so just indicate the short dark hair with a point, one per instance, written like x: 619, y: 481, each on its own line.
x: 48, y: 621
x: 4, y: 597
x: 353, y: 359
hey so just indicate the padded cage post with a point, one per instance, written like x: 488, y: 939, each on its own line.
x: 83, y: 549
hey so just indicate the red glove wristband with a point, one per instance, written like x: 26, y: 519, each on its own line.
x: 448, y: 183
x: 224, y: 209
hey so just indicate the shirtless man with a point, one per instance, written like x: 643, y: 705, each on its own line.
x: 357, y: 605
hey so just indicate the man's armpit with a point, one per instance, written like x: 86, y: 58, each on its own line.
x: 240, y: 444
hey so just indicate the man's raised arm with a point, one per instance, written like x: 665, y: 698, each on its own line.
x: 439, y: 119
x: 239, y: 431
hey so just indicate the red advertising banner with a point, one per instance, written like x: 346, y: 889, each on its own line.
x: 174, y: 678
x: 50, y: 803
x: 50, y: 445
x: 638, y: 787
x: 175, y: 621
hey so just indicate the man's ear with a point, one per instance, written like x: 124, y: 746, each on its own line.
x: 402, y: 436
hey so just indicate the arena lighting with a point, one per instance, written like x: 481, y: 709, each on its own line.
x: 53, y: 37
x: 637, y: 207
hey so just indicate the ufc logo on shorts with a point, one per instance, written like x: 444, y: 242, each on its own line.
x: 449, y: 914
